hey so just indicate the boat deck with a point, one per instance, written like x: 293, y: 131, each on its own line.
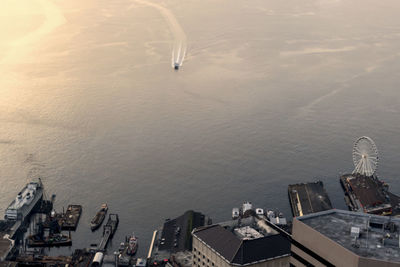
x: 306, y: 198
x: 70, y: 220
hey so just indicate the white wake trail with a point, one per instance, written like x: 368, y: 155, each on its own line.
x: 180, y: 42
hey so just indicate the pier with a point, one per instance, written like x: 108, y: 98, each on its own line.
x: 108, y: 231
x: 369, y: 195
x: 306, y: 198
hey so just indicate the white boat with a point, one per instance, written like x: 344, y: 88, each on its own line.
x: 235, y: 213
x: 24, y: 202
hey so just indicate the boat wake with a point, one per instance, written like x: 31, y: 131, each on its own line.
x: 180, y: 44
x: 178, y: 55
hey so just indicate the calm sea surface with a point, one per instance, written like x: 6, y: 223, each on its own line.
x: 269, y: 93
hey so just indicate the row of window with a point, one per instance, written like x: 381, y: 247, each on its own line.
x: 199, y: 257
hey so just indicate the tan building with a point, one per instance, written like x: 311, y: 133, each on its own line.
x: 229, y: 244
x: 345, y: 239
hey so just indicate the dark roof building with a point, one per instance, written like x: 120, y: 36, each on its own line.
x: 248, y: 242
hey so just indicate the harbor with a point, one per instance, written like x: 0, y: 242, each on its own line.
x: 31, y: 225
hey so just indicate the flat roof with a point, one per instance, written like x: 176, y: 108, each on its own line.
x: 379, y: 236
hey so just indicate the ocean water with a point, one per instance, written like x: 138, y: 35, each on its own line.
x: 268, y: 93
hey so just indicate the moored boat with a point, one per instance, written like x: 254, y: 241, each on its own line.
x: 128, y: 250
x: 99, y: 217
x: 132, y: 245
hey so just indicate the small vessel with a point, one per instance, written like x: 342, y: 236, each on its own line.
x: 99, y: 217
x: 71, y: 217
x: 235, y: 213
x: 176, y: 66
x: 127, y: 250
x: 132, y: 245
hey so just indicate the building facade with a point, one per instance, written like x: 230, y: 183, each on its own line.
x: 346, y: 239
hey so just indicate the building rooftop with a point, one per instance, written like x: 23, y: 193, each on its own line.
x: 366, y: 235
x: 244, y: 244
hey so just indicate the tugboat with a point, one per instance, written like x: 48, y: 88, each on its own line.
x: 99, y: 218
x: 127, y: 250
x: 132, y: 245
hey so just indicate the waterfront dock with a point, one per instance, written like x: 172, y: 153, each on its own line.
x: 175, y: 236
x: 369, y: 195
x: 306, y: 198
x: 108, y: 231
x: 42, y: 260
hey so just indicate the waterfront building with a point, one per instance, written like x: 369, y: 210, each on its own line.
x: 346, y: 239
x: 244, y: 242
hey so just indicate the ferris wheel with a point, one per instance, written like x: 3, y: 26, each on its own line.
x: 365, y: 156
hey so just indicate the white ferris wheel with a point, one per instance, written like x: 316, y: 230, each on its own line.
x: 365, y: 156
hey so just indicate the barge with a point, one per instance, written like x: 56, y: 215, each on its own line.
x: 306, y: 198
x: 56, y: 240
x: 70, y: 219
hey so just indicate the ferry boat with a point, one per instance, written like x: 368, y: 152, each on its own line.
x: 99, y: 217
x: 25, y: 201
